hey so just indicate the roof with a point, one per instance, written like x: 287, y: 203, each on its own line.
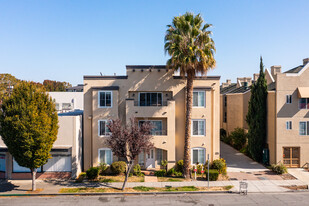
x: 72, y: 113
x: 228, y: 89
x: 104, y: 77
x: 242, y: 89
x: 78, y: 87
x: 271, y: 86
x: 296, y: 69
x: 200, y: 77
x: 146, y: 67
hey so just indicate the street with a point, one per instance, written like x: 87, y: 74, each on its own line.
x: 296, y: 198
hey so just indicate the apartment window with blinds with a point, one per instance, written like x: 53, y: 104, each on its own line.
x: 159, y: 156
x: 156, y: 126
x: 103, y: 129
x: 105, y: 156
x: 304, y: 103
x: 198, y: 127
x: 105, y: 99
x: 304, y: 128
x: 289, y: 125
x: 289, y: 99
x: 198, y: 98
x: 198, y: 156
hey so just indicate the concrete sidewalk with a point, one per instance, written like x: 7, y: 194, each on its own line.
x: 300, y: 173
x: 262, y: 186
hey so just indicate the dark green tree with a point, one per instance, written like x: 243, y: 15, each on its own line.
x: 257, y: 116
x: 29, y: 125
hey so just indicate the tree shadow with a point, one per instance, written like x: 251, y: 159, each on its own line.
x: 8, y: 186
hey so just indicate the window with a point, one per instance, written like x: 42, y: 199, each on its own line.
x: 198, y: 98
x: 58, y: 163
x: 66, y: 106
x: 198, y: 127
x: 225, y: 117
x: 304, y: 103
x: 289, y: 125
x: 103, y: 129
x: 105, y: 99
x: 304, y: 128
x: 2, y: 163
x: 105, y: 156
x: 141, y: 159
x: 289, y: 99
x: 225, y: 100
x: 157, y: 126
x: 159, y: 156
x: 57, y: 106
x: 18, y: 168
x: 198, y: 156
x: 150, y: 99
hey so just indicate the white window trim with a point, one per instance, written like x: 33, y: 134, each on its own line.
x: 139, y: 99
x: 99, y: 106
x: 198, y: 148
x: 106, y: 149
x: 106, y: 121
x: 204, y: 127
x: 287, y: 97
x: 288, y: 124
x: 197, y: 100
x: 306, y: 129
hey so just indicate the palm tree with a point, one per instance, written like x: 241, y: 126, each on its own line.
x: 191, y: 51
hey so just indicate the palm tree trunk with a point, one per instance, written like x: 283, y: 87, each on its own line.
x: 189, y: 99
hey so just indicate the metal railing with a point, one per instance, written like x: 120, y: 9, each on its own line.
x: 154, y: 104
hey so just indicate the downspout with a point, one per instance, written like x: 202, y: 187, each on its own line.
x: 212, y: 123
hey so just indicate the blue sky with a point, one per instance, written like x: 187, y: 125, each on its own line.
x: 64, y: 40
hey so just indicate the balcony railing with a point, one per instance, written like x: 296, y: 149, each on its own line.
x: 157, y: 104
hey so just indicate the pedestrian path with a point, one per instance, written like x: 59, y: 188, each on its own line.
x: 300, y: 173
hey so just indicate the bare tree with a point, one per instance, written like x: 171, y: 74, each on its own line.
x: 129, y: 141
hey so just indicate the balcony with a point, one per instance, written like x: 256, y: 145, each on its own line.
x: 166, y: 109
x: 141, y: 104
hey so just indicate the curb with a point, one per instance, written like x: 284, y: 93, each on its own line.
x: 118, y: 193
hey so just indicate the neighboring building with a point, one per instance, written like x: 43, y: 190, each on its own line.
x: 66, y: 153
x: 151, y: 93
x: 288, y: 116
x: 287, y: 112
x: 68, y: 101
x: 78, y: 88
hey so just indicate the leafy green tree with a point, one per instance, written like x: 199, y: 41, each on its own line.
x: 188, y: 43
x: 257, y: 116
x: 52, y: 86
x: 29, y: 125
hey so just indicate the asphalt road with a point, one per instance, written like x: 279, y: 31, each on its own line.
x: 296, y: 198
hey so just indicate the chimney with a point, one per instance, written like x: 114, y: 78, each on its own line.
x: 227, y: 83
x: 305, y: 61
x: 275, y: 70
x: 255, y: 77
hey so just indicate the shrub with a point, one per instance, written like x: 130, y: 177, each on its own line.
x: 118, y: 167
x: 92, y: 173
x: 164, y: 164
x: 279, y: 168
x: 219, y: 165
x: 239, y: 138
x: 213, y: 174
x: 227, y: 139
x: 160, y: 173
x: 80, y: 177
x: 179, y: 166
x: 178, y: 174
x: 137, y: 170
x: 171, y: 172
x: 103, y: 168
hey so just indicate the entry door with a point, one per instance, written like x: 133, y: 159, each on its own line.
x: 291, y: 156
x: 150, y: 159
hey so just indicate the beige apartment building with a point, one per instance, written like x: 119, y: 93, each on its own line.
x: 155, y: 94
x: 287, y: 112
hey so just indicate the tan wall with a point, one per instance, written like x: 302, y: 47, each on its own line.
x: 234, y: 112
x: 174, y: 113
x: 287, y: 85
x: 271, y: 126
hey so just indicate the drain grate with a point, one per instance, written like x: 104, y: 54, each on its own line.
x: 257, y: 174
x: 262, y: 178
x: 233, y: 178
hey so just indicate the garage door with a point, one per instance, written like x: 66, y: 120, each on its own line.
x: 58, y: 163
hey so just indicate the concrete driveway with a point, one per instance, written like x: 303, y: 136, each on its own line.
x: 238, y: 162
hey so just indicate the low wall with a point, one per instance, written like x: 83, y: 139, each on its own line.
x: 45, y: 175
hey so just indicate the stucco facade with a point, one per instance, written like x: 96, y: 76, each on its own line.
x: 125, y: 94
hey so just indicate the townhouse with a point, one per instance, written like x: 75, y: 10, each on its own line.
x: 155, y: 94
x: 287, y: 112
